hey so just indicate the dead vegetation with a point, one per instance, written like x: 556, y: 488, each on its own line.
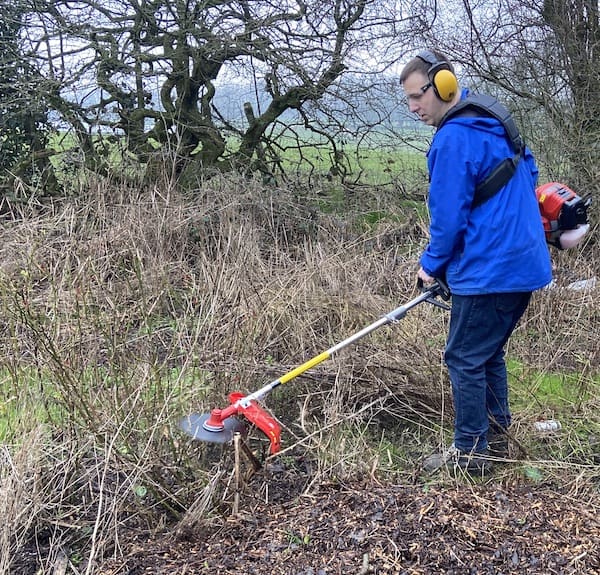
x: 123, y: 311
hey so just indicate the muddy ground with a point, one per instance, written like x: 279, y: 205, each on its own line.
x: 289, y: 526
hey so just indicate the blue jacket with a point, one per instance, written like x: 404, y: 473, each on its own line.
x: 499, y: 246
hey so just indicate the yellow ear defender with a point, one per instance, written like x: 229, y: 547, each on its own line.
x: 443, y: 80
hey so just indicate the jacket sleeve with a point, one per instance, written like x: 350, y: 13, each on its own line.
x: 453, y: 176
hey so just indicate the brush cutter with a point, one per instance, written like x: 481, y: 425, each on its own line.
x: 220, y: 425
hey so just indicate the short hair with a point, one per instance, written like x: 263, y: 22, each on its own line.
x: 417, y: 64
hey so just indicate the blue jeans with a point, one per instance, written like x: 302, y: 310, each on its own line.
x: 479, y: 329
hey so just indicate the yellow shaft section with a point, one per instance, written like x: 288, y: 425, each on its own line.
x: 304, y: 367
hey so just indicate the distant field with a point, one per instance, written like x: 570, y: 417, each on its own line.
x: 370, y: 165
x: 371, y: 161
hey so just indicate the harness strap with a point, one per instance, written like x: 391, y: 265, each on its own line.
x: 476, y: 105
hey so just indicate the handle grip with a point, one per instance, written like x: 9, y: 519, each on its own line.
x: 438, y: 287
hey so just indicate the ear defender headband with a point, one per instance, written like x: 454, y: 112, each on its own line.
x: 443, y: 80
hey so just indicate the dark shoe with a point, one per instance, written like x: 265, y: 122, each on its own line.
x: 475, y: 463
x: 498, y: 443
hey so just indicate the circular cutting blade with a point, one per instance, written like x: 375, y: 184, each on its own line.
x: 194, y: 425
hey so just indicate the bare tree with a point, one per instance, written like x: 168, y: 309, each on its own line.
x: 575, y: 48
x: 23, y: 115
x: 158, y: 73
x: 543, y: 57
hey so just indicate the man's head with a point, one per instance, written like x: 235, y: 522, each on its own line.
x: 430, y: 86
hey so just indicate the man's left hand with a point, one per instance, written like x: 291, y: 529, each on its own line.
x: 425, y: 277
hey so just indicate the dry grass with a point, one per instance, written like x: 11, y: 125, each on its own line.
x: 123, y: 310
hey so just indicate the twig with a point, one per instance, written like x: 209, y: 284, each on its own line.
x: 238, y: 481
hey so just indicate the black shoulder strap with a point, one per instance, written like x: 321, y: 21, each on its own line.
x: 482, y: 105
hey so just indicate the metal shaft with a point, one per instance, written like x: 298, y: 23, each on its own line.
x: 390, y: 317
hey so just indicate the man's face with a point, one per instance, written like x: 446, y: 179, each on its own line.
x: 422, y: 99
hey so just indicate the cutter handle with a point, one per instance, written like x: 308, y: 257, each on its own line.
x: 438, y: 287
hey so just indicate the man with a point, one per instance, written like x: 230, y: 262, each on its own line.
x: 492, y: 255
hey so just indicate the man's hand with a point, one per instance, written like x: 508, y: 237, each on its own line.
x: 425, y: 277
